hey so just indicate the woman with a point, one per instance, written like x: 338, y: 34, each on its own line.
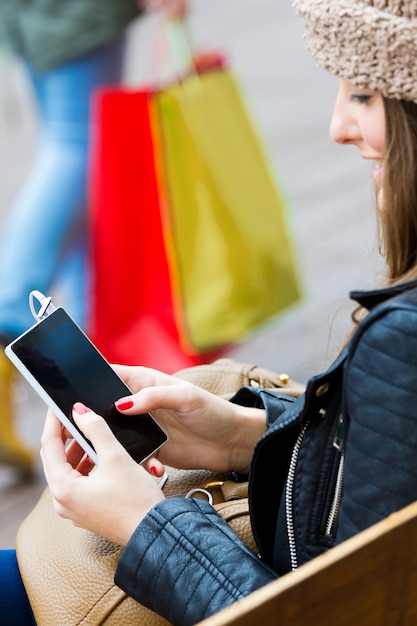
x: 69, y: 48
x: 322, y: 467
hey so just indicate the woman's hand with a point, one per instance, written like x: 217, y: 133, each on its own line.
x: 109, y: 500
x: 173, y: 9
x: 205, y: 431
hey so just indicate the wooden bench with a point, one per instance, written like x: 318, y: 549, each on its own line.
x: 369, y: 580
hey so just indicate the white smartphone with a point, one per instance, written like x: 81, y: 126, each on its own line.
x: 63, y: 366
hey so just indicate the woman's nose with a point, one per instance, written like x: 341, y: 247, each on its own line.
x: 343, y: 128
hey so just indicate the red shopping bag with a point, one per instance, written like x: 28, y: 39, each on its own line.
x: 132, y: 317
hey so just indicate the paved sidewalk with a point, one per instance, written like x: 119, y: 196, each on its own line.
x: 328, y: 187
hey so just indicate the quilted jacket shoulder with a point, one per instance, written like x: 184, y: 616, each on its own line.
x: 381, y: 402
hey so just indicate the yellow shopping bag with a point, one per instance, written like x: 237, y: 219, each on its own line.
x: 228, y: 244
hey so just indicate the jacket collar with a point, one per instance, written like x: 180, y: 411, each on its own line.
x: 370, y: 299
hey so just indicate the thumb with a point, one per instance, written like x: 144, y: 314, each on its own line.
x: 96, y: 429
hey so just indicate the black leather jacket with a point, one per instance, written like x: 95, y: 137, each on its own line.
x: 335, y: 461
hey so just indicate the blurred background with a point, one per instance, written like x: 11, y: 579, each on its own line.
x: 328, y: 188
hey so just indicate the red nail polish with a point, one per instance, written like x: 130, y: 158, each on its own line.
x: 154, y: 470
x: 127, y: 404
x: 80, y: 408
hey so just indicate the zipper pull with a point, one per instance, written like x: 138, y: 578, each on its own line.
x: 339, y: 434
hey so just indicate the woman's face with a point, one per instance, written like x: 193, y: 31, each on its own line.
x: 359, y: 119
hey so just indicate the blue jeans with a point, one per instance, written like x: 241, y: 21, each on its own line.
x: 14, y: 604
x: 44, y: 240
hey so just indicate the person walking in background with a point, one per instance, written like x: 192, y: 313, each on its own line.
x: 69, y: 47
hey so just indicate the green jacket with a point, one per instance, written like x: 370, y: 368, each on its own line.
x: 50, y: 32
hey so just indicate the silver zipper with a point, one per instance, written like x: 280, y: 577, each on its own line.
x: 289, y: 499
x: 338, y: 443
x: 334, y: 509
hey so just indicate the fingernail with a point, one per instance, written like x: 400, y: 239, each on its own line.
x: 80, y: 408
x: 154, y: 470
x: 123, y: 405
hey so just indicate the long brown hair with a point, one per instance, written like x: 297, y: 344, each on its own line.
x: 397, y: 221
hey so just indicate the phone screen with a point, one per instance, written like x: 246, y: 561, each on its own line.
x: 70, y: 369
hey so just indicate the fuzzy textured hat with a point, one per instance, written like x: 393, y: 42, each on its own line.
x: 371, y: 43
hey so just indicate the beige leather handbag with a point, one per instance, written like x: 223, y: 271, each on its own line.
x: 68, y: 572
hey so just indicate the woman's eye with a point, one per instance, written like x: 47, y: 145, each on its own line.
x: 360, y: 98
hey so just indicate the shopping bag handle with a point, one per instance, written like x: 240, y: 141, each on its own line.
x: 180, y: 46
x: 174, y: 57
x: 188, y: 64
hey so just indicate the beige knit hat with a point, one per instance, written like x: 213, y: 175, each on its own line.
x: 372, y: 43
